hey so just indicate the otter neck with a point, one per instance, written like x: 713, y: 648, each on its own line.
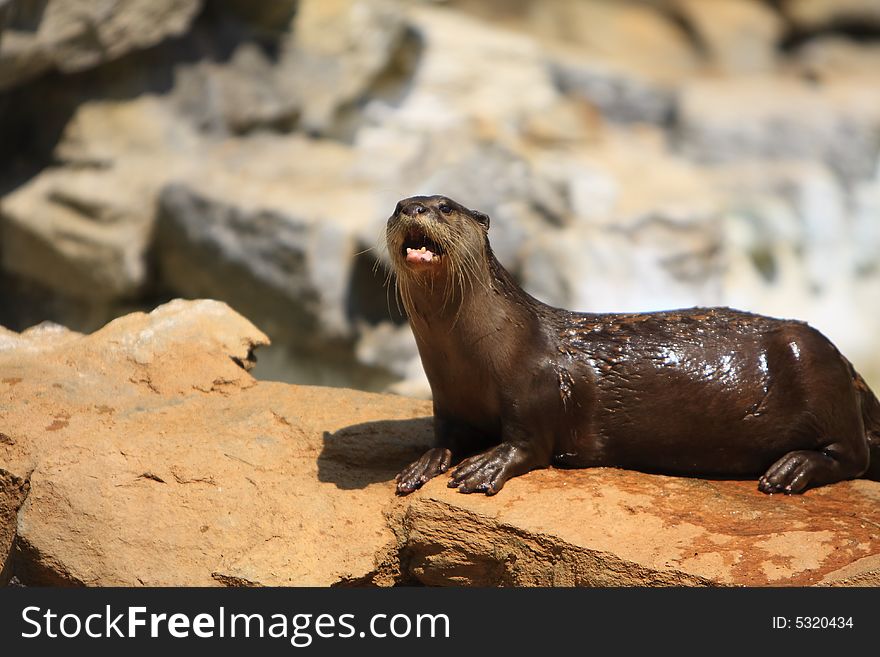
x: 489, y: 300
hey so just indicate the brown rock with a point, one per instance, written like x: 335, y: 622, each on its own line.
x: 633, y: 34
x: 448, y: 92
x: 632, y: 243
x: 237, y: 96
x: 73, y: 35
x: 607, y: 527
x: 83, y: 232
x: 13, y: 491
x: 819, y: 14
x: 740, y: 35
x: 726, y: 119
x: 834, y: 57
x: 268, y: 223
x: 619, y: 93
x: 589, y: 47
x: 83, y: 229
x: 154, y: 458
x: 336, y: 52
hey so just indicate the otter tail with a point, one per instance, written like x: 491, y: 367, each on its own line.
x: 871, y: 416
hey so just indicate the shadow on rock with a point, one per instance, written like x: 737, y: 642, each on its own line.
x: 372, y: 452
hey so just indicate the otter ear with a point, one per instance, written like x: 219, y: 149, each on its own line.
x: 483, y: 219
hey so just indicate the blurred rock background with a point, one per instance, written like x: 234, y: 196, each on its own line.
x: 633, y: 155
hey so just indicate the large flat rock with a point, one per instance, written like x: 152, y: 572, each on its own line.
x: 609, y: 527
x: 145, y: 454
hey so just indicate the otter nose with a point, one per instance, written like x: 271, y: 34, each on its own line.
x: 413, y: 209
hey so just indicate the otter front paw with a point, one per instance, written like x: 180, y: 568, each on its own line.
x: 486, y: 472
x: 433, y: 462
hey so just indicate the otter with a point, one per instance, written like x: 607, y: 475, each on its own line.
x: 518, y: 384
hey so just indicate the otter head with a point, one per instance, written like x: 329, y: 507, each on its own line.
x: 436, y: 244
x: 428, y: 234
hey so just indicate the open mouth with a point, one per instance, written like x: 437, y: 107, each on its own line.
x: 419, y: 249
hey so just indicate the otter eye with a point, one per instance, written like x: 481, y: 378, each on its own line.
x: 445, y: 209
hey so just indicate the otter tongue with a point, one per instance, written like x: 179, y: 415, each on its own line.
x: 419, y: 255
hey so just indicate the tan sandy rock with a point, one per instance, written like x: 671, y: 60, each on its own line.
x: 154, y: 458
x: 145, y: 454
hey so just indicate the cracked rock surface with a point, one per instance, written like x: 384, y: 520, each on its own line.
x: 145, y: 454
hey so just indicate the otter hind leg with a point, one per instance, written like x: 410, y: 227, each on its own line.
x: 802, y: 469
